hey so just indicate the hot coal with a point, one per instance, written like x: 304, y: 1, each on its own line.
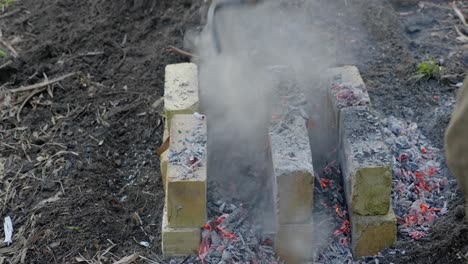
x: 330, y: 201
x: 420, y: 191
x: 232, y: 237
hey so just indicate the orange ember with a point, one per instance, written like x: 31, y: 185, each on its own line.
x: 324, y: 183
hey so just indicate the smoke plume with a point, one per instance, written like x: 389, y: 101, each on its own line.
x: 271, y: 48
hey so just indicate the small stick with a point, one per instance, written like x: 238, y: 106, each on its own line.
x: 8, y: 189
x: 181, y: 52
x: 459, y: 14
x: 42, y: 84
x: 6, y: 64
x: 25, y: 101
x: 91, y: 53
x: 8, y: 46
x: 185, y: 259
x: 10, y: 146
x: 462, y: 37
x: 11, y: 13
x: 435, y: 5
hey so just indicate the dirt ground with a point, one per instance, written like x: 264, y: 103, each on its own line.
x: 89, y: 149
x: 80, y: 174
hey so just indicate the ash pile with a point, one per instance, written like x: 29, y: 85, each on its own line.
x: 421, y: 190
x: 234, y: 235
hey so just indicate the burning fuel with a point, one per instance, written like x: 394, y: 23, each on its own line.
x: 420, y: 191
x: 230, y: 237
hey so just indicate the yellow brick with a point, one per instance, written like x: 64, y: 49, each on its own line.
x: 164, y: 158
x: 295, y: 197
x: 293, y: 170
x: 186, y: 191
x: 180, y: 90
x: 294, y: 243
x: 177, y: 242
x: 365, y: 162
x: 371, y: 234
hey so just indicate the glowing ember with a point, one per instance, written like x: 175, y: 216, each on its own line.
x: 230, y: 237
x: 206, y: 235
x: 324, y: 183
x: 419, y: 190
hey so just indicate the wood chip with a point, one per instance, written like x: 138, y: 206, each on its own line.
x: 163, y: 147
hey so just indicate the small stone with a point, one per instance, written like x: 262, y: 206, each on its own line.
x: 411, y: 29
x: 118, y: 163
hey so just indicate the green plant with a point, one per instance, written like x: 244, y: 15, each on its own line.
x: 427, y: 70
x: 6, y: 3
x: 2, y: 54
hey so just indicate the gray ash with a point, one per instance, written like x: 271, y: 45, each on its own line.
x: 420, y: 188
x: 231, y: 236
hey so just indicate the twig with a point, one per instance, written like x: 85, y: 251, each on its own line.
x: 61, y: 186
x: 185, y: 259
x: 8, y: 189
x: 11, y: 13
x: 8, y: 46
x: 461, y: 37
x: 459, y: 13
x: 10, y: 146
x: 91, y: 53
x: 436, y: 5
x: 18, y: 114
x: 6, y: 64
x: 181, y: 52
x: 42, y: 84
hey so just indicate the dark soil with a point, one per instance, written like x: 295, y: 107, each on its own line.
x: 104, y: 115
x: 107, y: 115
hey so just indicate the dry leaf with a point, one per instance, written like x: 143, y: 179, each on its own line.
x: 163, y: 147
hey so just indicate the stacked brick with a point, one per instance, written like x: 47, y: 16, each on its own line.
x: 184, y: 182
x: 365, y: 162
x: 293, y: 187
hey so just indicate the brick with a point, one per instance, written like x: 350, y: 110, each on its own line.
x: 365, y: 162
x: 371, y: 234
x: 164, y: 158
x: 181, y: 94
x: 293, y: 170
x: 294, y: 243
x: 186, y: 189
x: 178, y: 242
x: 349, y: 81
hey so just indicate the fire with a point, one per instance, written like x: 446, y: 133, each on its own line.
x: 417, y: 235
x: 324, y: 183
x: 338, y: 211
x: 424, y: 208
x: 205, y: 244
x: 419, y: 175
x: 344, y: 229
